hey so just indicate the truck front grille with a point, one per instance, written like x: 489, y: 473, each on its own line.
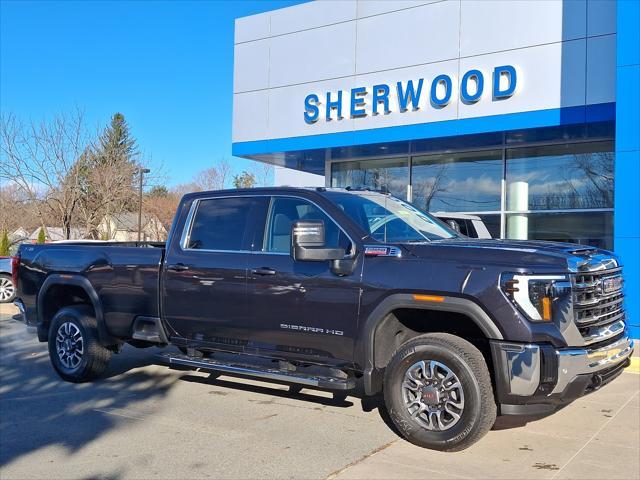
x: 598, y: 309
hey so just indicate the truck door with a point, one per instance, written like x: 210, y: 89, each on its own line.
x: 301, y: 309
x: 204, y: 283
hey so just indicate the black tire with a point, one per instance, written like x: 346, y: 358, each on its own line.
x: 467, y: 363
x: 6, y: 284
x: 94, y: 358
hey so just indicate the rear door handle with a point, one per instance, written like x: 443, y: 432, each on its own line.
x: 178, y: 267
x: 264, y: 271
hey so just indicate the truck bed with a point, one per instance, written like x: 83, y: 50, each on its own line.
x: 124, y: 276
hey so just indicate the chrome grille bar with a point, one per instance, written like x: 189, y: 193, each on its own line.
x: 599, y: 316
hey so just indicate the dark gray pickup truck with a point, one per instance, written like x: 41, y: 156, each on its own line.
x: 341, y: 290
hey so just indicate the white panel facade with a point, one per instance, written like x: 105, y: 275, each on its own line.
x: 252, y: 28
x: 250, y: 116
x: 367, y: 8
x: 415, y: 36
x: 311, y: 15
x: 312, y: 55
x: 337, y: 46
x: 251, y: 66
x: 493, y: 25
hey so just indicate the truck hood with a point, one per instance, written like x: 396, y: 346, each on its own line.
x: 520, y: 254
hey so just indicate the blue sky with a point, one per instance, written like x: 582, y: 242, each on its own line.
x: 167, y: 66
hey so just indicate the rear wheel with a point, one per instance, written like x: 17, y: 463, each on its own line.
x: 438, y: 392
x: 74, y: 349
x: 7, y: 289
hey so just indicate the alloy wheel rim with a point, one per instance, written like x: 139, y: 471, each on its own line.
x: 69, y: 345
x: 6, y: 289
x: 433, y: 395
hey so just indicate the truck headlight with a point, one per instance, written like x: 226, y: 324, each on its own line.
x: 534, y: 294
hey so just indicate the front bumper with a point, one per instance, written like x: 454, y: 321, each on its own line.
x: 537, y: 379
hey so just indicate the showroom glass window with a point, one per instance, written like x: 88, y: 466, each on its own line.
x: 391, y: 174
x: 460, y: 183
x: 463, y: 182
x: 544, y: 184
x: 560, y: 177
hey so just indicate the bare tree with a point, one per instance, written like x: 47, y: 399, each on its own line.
x: 424, y: 190
x: 15, y: 209
x: 41, y: 160
x: 263, y: 173
x: 214, y: 178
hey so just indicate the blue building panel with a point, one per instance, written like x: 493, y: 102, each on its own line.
x: 627, y: 166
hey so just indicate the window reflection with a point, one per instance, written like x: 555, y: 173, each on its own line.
x: 585, y: 228
x: 391, y: 174
x: 536, y: 180
x: 560, y: 177
x: 463, y: 182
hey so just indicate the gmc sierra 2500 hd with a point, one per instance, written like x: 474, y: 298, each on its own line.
x: 331, y: 288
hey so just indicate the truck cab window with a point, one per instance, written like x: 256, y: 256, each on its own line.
x: 222, y: 224
x: 285, y: 211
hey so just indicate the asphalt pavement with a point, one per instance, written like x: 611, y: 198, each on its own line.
x: 146, y: 421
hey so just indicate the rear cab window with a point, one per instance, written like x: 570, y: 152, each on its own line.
x: 227, y: 223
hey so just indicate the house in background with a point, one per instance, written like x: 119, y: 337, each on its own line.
x: 123, y: 227
x: 55, y: 234
x: 19, y: 235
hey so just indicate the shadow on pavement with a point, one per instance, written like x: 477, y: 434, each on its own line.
x: 38, y: 409
x: 368, y: 404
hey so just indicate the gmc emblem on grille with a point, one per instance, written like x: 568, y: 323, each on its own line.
x: 611, y: 284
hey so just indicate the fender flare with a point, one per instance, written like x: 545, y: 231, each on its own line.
x: 365, y: 349
x: 76, y: 281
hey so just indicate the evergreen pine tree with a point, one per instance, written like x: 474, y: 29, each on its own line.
x: 117, y: 146
x: 42, y: 237
x: 4, y: 244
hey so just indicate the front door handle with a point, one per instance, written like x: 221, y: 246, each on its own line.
x: 264, y: 271
x: 177, y: 267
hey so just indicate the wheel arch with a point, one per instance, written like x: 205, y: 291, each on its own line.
x: 77, y: 287
x: 366, y: 348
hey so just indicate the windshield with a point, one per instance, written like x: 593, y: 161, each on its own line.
x: 389, y: 219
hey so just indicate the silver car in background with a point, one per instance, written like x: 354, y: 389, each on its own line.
x: 7, y: 288
x: 469, y: 225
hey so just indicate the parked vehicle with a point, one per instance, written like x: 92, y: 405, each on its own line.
x: 7, y: 288
x: 468, y: 225
x: 335, y: 288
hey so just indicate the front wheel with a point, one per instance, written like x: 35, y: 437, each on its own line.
x: 438, y: 392
x: 74, y: 349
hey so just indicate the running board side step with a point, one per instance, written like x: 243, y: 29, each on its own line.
x: 259, y: 371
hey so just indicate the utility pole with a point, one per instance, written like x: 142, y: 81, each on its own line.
x: 141, y: 171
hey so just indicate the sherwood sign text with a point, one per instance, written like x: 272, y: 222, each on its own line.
x: 409, y: 95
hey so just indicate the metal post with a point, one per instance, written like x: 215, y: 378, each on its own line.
x: 141, y: 171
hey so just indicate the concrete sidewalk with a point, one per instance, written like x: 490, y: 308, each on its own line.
x: 596, y: 437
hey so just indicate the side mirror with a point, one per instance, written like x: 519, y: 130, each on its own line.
x: 308, y: 243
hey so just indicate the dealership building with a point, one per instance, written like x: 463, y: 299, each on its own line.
x: 523, y: 113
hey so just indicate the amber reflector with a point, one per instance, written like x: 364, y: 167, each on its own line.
x: 428, y: 298
x: 546, y: 308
